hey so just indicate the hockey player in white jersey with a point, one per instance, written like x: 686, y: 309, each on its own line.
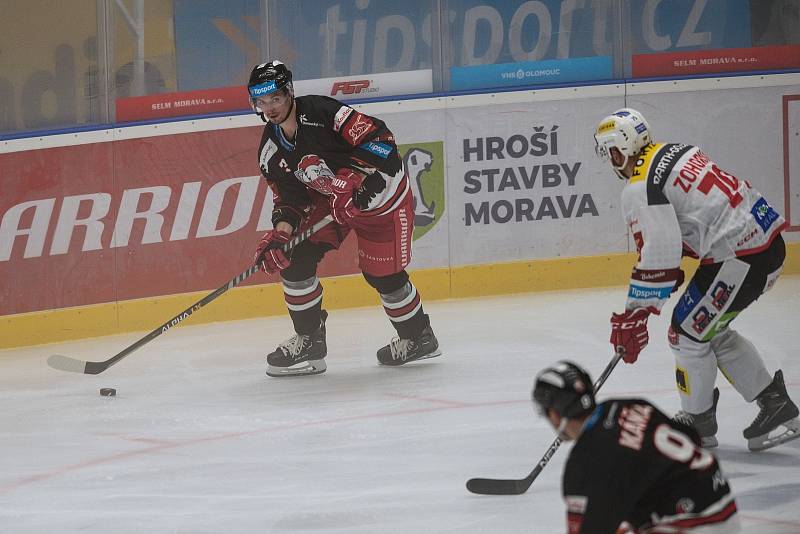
x: 678, y: 202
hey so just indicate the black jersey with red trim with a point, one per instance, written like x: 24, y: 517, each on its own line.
x: 632, y: 463
x: 340, y: 136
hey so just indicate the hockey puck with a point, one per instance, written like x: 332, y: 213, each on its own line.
x: 108, y: 392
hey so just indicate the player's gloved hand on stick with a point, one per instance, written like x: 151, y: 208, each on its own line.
x: 629, y: 331
x: 343, y: 186
x: 269, y: 254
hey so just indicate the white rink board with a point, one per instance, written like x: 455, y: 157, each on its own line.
x: 559, y: 191
x: 738, y: 121
x: 792, y: 143
x: 740, y: 129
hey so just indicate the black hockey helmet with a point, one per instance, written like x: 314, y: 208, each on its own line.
x: 267, y: 78
x: 565, y: 388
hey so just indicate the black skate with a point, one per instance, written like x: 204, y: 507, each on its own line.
x: 301, y: 354
x: 704, y: 423
x: 400, y: 351
x: 778, y: 412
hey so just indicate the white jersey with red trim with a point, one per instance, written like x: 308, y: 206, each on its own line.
x: 678, y: 201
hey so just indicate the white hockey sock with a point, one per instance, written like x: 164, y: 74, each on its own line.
x: 740, y: 362
x: 695, y: 374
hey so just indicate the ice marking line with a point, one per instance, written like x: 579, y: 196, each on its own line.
x: 152, y: 441
x: 434, y: 401
x: 25, y: 481
x: 758, y: 519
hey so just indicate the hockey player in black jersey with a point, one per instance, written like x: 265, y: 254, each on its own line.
x: 677, y: 201
x: 631, y: 468
x: 321, y: 157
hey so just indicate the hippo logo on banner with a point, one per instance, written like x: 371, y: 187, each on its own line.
x: 425, y: 167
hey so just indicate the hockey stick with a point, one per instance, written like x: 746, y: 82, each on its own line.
x: 494, y: 486
x: 66, y: 363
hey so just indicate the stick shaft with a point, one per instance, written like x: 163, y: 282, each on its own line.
x: 66, y: 363
x: 493, y: 486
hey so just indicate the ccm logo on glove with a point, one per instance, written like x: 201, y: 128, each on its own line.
x: 629, y: 332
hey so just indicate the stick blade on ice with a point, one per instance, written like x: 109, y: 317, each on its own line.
x: 65, y: 363
x: 489, y: 486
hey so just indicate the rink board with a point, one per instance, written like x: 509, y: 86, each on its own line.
x: 103, y: 231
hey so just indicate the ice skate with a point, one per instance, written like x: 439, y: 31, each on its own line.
x: 704, y: 423
x: 777, y: 421
x: 301, y: 354
x: 400, y: 351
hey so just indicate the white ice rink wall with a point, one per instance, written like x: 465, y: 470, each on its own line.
x: 510, y: 198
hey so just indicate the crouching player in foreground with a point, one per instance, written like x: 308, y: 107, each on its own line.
x: 632, y: 468
x: 677, y: 201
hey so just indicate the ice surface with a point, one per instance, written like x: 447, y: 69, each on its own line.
x: 199, y: 440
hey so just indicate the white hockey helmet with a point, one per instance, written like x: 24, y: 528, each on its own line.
x: 627, y: 131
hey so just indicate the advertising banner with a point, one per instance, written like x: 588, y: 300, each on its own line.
x: 198, y: 102
x: 369, y: 85
x: 486, y: 33
x: 524, y: 183
x: 712, y: 61
x: 182, y: 212
x: 421, y: 138
x: 681, y: 25
x: 531, y: 73
x: 334, y: 38
x: 741, y: 130
x: 172, y: 214
x: 216, y: 43
x: 222, y: 99
x: 52, y: 80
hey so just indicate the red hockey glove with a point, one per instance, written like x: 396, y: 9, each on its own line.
x: 269, y: 254
x: 343, y: 186
x: 629, y: 332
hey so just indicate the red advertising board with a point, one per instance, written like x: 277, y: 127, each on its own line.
x: 132, y: 219
x: 716, y: 61
x: 198, y: 102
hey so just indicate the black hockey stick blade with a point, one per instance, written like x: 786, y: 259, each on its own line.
x: 512, y: 486
x: 74, y: 365
x: 499, y: 486
x: 491, y: 486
